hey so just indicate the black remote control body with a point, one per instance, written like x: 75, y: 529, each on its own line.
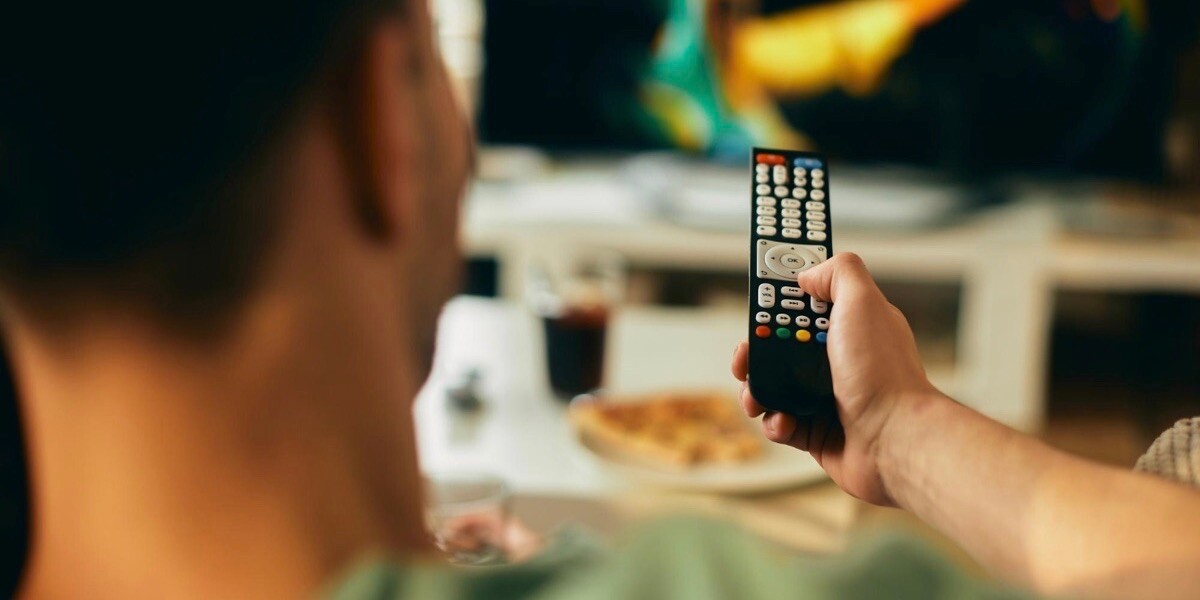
x: 789, y: 233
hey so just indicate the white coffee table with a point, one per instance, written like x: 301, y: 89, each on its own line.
x: 521, y: 434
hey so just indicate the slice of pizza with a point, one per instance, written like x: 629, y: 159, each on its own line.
x: 678, y: 429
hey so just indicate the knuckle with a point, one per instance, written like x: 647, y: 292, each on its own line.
x: 901, y: 318
x: 850, y: 260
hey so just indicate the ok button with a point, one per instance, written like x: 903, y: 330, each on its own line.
x: 792, y: 261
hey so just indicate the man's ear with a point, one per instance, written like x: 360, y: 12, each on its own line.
x: 373, y: 107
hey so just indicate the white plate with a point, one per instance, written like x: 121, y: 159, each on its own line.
x: 779, y: 467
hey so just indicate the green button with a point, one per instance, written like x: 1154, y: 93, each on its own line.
x: 782, y: 332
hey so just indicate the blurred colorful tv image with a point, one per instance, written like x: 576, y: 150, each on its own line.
x: 974, y: 88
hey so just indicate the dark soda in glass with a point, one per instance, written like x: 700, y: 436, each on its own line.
x: 575, y: 349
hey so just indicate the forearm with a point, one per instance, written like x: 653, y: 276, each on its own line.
x: 1060, y: 523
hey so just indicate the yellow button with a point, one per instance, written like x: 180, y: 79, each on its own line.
x: 803, y: 335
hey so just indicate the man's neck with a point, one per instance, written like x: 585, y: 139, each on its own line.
x: 257, y: 467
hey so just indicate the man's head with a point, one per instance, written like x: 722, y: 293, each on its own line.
x: 225, y: 233
x: 144, y: 154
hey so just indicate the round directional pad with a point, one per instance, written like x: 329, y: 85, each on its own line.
x: 788, y: 260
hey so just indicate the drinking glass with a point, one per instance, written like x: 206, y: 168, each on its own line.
x: 574, y: 296
x: 468, y: 515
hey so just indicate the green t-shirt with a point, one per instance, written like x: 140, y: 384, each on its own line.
x: 682, y: 559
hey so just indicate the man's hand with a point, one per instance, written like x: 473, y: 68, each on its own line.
x: 876, y: 370
x: 1058, y: 523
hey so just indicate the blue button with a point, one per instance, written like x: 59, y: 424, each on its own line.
x: 810, y: 163
x: 820, y: 337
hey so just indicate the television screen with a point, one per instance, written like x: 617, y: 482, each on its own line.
x: 976, y: 88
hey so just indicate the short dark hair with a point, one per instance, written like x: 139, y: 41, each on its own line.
x: 131, y: 137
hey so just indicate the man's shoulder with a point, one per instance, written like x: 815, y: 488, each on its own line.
x: 569, y: 551
x: 677, y: 558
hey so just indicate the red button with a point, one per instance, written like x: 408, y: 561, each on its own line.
x: 770, y: 159
x: 762, y: 331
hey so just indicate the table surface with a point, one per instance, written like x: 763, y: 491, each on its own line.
x: 521, y: 433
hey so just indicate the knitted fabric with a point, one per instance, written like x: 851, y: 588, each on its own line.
x: 1176, y: 453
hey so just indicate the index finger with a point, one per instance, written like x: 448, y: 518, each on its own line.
x: 740, y: 367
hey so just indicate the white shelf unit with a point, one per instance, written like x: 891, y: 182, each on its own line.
x: 1000, y: 258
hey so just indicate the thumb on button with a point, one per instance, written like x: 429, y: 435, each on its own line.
x: 842, y: 276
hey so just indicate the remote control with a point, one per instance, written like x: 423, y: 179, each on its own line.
x: 789, y: 233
